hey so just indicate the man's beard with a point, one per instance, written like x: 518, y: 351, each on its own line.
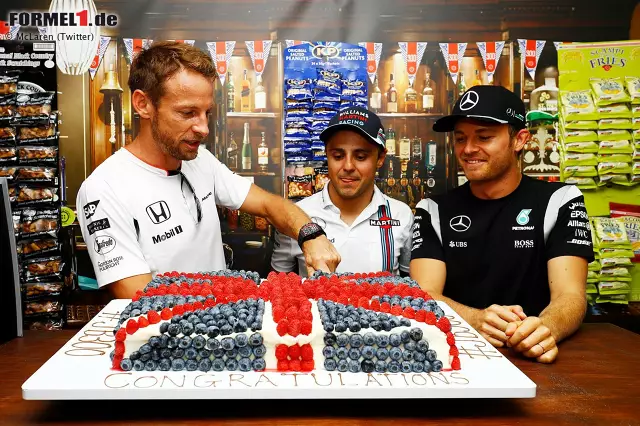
x: 166, y: 143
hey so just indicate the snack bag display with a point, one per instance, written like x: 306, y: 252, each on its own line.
x: 576, y: 159
x: 609, y: 91
x: 633, y: 87
x: 614, y: 287
x: 614, y: 168
x: 610, y: 232
x: 29, y: 195
x: 613, y: 135
x: 35, y: 291
x: 44, y: 155
x: 615, y: 124
x: 579, y: 171
x: 615, y: 158
x: 43, y: 269
x: 33, y: 108
x: 578, y: 106
x: 39, y: 222
x: 38, y: 247
x: 579, y: 136
x: 300, y: 186
x: 582, y: 182
x: 612, y: 262
x: 615, y: 147
x: 614, y: 111
x: 614, y: 274
x: 583, y: 147
x: 580, y: 125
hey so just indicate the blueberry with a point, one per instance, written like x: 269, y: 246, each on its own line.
x: 146, y: 357
x: 354, y: 366
x: 382, y: 354
x: 155, y: 355
x: 260, y: 351
x: 135, y: 312
x: 395, y: 322
x: 405, y: 322
x: 436, y: 365
x: 187, y: 329
x: 176, y: 319
x: 192, y: 365
x: 259, y: 364
x: 213, y: 344
x: 342, y: 340
x: 245, y: 351
x: 376, y: 325
x: 138, y: 365
x: 340, y: 327
x: 407, y: 355
x: 364, y: 323
x: 422, y: 346
x: 395, y: 353
x: 218, y: 352
x: 201, y: 328
x: 226, y: 330
x: 419, y: 356
x: 395, y: 339
x: 217, y: 364
x: 150, y: 365
x: 126, y: 364
x: 369, y: 339
x: 244, y: 364
x: 164, y: 364
x: 387, y: 326
x: 367, y: 366
x: 417, y: 367
x: 382, y: 340
x: 177, y: 353
x: 204, y: 353
x: 255, y: 339
x: 355, y: 327
x: 431, y: 355
x: 406, y: 367
x: 145, y: 349
x: 240, y: 327
x: 328, y: 352
x: 136, y: 305
x: 172, y: 342
x: 233, y: 353
x: 173, y: 329
x: 342, y: 353
x: 356, y: 341
x: 164, y: 340
x: 405, y: 336
x: 411, y: 346
x: 164, y: 327
x: 427, y: 367
x: 330, y: 364
x: 368, y: 352
x: 199, y: 342
x: 231, y: 364
x: 185, y: 342
x: 328, y: 326
x: 227, y: 343
x: 354, y: 354
x: 191, y: 353
x: 241, y: 340
x: 416, y: 334
x: 134, y: 355
x: 233, y: 321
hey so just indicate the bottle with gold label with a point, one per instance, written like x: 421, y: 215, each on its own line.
x: 428, y: 99
x: 392, y: 96
x: 410, y: 100
x: 391, y: 142
x: 245, y: 94
x: 391, y: 180
x: 263, y: 154
x: 260, y: 96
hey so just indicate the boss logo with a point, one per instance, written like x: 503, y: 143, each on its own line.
x: 158, y: 212
x: 524, y: 244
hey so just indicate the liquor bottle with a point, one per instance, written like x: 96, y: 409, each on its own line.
x: 404, y: 147
x: 462, y: 86
x: 246, y: 149
x: 245, y: 94
x: 477, y: 81
x: 403, y: 190
x: 416, y: 150
x: 260, y: 96
x: 431, y: 159
x: 391, y: 142
x: 428, y: 99
x: 263, y: 154
x: 410, y: 99
x: 231, y: 93
x: 392, y: 96
x: 232, y: 153
x: 391, y: 180
x: 375, y: 103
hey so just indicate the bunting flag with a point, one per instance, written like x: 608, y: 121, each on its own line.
x: 259, y: 52
x: 557, y: 44
x: 135, y: 45
x: 453, y: 54
x: 8, y: 32
x: 374, y: 51
x: 295, y: 42
x: 102, y: 48
x: 530, y: 51
x: 491, y: 52
x: 221, y: 52
x: 412, y: 52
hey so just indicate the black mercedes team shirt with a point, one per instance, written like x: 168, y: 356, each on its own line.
x: 496, y: 251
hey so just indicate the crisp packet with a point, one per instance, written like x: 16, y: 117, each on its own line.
x: 582, y: 182
x: 615, y: 123
x: 43, y: 307
x: 319, y: 125
x: 614, y: 168
x: 49, y: 322
x: 328, y: 105
x: 591, y: 288
x: 39, y: 222
x: 606, y: 252
x: 36, y: 174
x: 616, y: 299
x: 298, y: 115
x: 8, y: 155
x: 615, y: 158
x: 29, y: 195
x: 613, y: 135
x: 294, y: 147
x: 290, y: 104
x: 614, y: 287
x: 35, y: 291
x: 612, y: 262
x: 633, y: 87
x: 576, y: 159
x: 8, y: 172
x: 298, y: 89
x: 609, y: 91
x: 354, y: 90
x: 578, y: 106
x: 594, y: 266
x: 299, y: 157
x: 7, y: 136
x: 617, y: 179
x: 610, y: 232
x: 636, y: 135
x: 614, y: 111
x: 615, y: 147
x: 7, y: 109
x: 45, y: 155
x: 579, y: 171
x: 37, y: 135
x: 296, y: 132
x: 614, y: 274
x: 584, y: 147
x: 33, y: 108
x: 300, y: 186
x: 9, y: 82
x: 43, y: 269
x: 579, y: 136
x: 328, y: 85
x: 635, y: 168
x: 635, y: 123
x: 323, y: 113
x: 321, y: 178
x: 38, y: 247
x: 581, y: 125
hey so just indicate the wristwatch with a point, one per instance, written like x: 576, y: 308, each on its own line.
x: 308, y: 232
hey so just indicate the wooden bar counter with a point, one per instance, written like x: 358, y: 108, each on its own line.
x: 593, y: 382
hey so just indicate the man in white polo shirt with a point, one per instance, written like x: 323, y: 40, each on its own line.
x: 151, y: 207
x: 371, y: 231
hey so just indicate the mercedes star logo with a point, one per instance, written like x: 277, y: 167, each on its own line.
x: 460, y: 223
x: 469, y: 100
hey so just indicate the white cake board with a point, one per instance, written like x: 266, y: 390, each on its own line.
x: 82, y: 370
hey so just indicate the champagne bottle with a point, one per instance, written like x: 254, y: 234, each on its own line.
x: 263, y: 154
x: 246, y: 149
x: 232, y: 154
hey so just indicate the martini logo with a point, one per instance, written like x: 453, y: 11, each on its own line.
x: 607, y: 58
x: 384, y: 222
x: 322, y: 51
x: 62, y: 19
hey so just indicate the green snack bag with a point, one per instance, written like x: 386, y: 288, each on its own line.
x: 633, y: 87
x: 635, y: 169
x: 615, y: 124
x: 579, y: 171
x: 580, y: 125
x: 584, y: 147
x: 579, y: 136
x: 615, y: 111
x: 635, y: 123
x: 610, y: 232
x: 613, y: 135
x: 615, y: 147
x: 614, y: 168
x: 635, y: 134
x: 615, y: 158
x: 575, y: 159
x: 594, y: 266
x: 614, y: 287
x: 581, y: 182
x: 608, y: 91
x: 617, y: 299
x: 591, y: 288
x: 622, y: 180
x: 615, y: 252
x: 611, y: 262
x: 578, y: 106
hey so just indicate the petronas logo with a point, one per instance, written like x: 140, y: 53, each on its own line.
x: 523, y: 217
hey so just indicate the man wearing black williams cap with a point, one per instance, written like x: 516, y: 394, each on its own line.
x: 509, y: 253
x: 371, y: 231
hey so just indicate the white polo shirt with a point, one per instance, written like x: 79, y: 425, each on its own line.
x: 136, y: 218
x: 378, y: 240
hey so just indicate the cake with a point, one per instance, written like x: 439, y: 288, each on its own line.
x: 233, y: 321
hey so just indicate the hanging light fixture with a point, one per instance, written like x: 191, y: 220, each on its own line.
x: 75, y: 46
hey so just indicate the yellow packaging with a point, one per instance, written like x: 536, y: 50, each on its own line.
x: 633, y: 87
x: 614, y: 168
x: 619, y: 179
x: 615, y: 158
x: 578, y: 105
x: 579, y: 136
x: 613, y: 135
x: 615, y: 147
x: 608, y: 91
x: 612, y: 262
x: 585, y: 147
x: 635, y: 123
x: 610, y: 232
x: 636, y: 135
x: 614, y: 111
x: 632, y: 226
x: 615, y: 124
x: 581, y: 125
x: 579, y: 171
x: 591, y: 288
x: 635, y: 169
x: 582, y: 182
x: 594, y: 266
x: 614, y: 287
x: 575, y: 159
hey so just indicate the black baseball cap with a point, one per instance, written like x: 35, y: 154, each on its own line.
x: 360, y: 120
x: 486, y: 103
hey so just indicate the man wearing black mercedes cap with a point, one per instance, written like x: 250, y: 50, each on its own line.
x: 507, y: 252
x: 371, y: 231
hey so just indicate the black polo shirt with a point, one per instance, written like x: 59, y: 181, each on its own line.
x: 496, y: 251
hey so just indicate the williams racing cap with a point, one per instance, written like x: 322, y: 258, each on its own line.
x: 486, y: 103
x: 358, y: 119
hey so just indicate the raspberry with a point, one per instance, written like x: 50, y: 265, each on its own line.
x: 343, y: 300
x: 375, y: 305
x: 455, y: 364
x: 409, y: 312
x: 396, y: 310
x: 184, y: 291
x: 305, y: 327
x: 178, y: 310
x: 143, y: 322
x: 430, y: 318
x: 166, y: 314
x: 385, y: 307
x: 295, y: 365
x: 209, y: 303
x: 294, y: 351
x: 291, y: 313
x: 132, y: 327
x: 453, y: 351
x: 188, y: 307
x: 444, y: 325
x: 307, y: 365
x: 198, y: 306
x: 153, y: 317
x: 116, y: 362
x: 119, y: 350
x: 283, y: 327
x: 282, y: 352
x: 294, y: 328
x: 306, y: 352
x: 450, y: 339
x: 283, y: 365
x: 121, y: 334
x: 421, y: 315
x: 305, y: 315
x: 363, y: 302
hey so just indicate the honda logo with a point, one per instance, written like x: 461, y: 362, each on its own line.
x: 158, y: 212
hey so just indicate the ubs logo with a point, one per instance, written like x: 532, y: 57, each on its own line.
x: 158, y: 212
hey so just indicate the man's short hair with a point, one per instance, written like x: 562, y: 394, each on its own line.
x: 155, y: 65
